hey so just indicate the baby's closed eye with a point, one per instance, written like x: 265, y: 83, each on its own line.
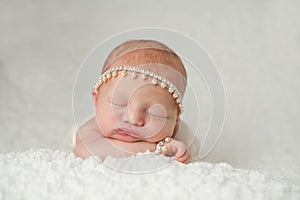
x: 157, y: 110
x: 118, y: 103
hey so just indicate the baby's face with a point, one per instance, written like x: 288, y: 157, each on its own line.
x: 131, y: 109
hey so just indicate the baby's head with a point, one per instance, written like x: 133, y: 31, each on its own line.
x: 143, y: 102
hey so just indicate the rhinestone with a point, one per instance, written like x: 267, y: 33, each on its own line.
x: 170, y: 90
x: 164, y: 148
x: 144, y: 76
x: 155, y: 76
x: 160, y: 143
x: 124, y: 73
x: 178, y: 101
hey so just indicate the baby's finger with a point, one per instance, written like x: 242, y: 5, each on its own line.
x: 187, y: 160
x: 184, y: 157
x: 180, y: 152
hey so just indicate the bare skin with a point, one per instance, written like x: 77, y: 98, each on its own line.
x: 91, y: 142
x: 132, y: 117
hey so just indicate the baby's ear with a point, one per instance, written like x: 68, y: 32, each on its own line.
x: 95, y: 94
x: 177, y: 127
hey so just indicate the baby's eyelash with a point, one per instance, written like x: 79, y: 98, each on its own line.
x: 118, y: 104
x: 159, y: 116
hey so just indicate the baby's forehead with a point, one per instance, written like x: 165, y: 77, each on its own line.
x: 128, y: 80
x: 127, y: 85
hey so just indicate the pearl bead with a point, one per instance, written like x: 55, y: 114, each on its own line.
x: 108, y: 75
x: 114, y: 73
x: 143, y: 76
x: 134, y: 75
x: 154, y: 81
x: 163, y: 85
x: 167, y: 139
x: 175, y: 95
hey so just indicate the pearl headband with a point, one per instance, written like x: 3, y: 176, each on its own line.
x: 134, y: 71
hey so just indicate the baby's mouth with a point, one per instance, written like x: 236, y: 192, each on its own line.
x: 125, y: 131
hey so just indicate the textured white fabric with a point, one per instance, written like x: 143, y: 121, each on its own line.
x: 48, y: 174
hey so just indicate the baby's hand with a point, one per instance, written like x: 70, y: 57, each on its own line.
x: 177, y: 149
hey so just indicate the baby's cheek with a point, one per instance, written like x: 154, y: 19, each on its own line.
x: 104, y: 124
x: 155, y: 127
x: 157, y: 137
x: 160, y: 131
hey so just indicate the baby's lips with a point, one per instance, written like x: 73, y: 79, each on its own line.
x: 130, y: 132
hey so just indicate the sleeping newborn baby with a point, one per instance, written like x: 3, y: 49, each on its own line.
x: 137, y: 102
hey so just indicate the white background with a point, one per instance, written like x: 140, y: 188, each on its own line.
x: 255, y: 45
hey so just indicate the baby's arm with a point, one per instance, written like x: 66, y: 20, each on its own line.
x: 91, y: 142
x: 104, y: 147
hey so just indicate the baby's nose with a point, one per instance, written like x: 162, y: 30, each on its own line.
x: 134, y: 118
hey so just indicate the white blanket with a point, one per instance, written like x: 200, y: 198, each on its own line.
x: 48, y: 174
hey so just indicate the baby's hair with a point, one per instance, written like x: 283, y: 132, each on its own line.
x: 137, y: 52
